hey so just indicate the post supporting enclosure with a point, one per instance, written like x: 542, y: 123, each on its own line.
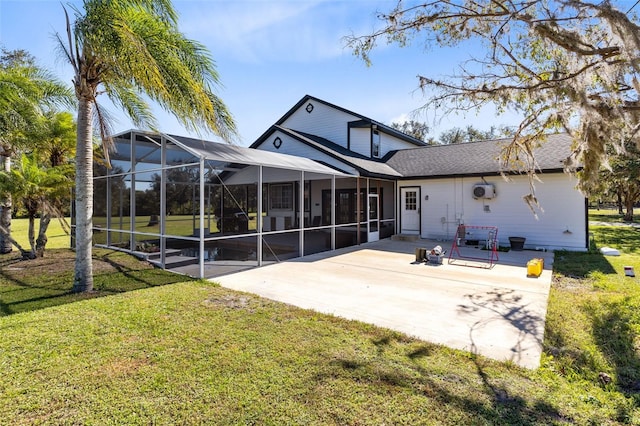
x: 201, y: 207
x: 259, y: 218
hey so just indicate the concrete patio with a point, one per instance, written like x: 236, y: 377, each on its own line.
x: 497, y: 312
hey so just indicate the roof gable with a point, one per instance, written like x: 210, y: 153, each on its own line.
x: 365, y: 165
x: 359, y: 121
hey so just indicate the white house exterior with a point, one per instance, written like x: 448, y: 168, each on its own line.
x: 434, y: 185
x: 445, y: 203
x: 186, y: 202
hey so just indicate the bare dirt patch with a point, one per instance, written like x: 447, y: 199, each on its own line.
x: 231, y: 301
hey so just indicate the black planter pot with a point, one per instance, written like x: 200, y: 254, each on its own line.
x: 517, y: 243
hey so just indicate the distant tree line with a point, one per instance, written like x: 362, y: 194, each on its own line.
x: 454, y: 135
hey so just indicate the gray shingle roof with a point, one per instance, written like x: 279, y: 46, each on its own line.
x: 475, y: 158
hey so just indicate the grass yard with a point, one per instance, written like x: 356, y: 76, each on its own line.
x: 57, y: 237
x: 151, y: 348
x: 610, y: 215
x: 179, y: 225
x: 46, y: 282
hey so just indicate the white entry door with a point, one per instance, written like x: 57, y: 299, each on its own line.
x: 374, y: 218
x: 410, y: 210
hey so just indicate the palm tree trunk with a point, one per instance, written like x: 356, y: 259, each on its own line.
x: 32, y: 236
x: 5, y: 211
x: 6, y: 235
x: 42, y: 239
x: 83, y: 280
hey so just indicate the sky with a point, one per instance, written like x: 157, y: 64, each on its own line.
x: 269, y: 54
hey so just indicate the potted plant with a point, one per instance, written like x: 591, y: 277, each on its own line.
x: 517, y: 243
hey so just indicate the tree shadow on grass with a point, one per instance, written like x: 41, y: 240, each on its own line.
x: 626, y: 238
x: 614, y: 324
x: 45, y: 282
x: 130, y: 276
x: 579, y: 264
x: 453, y: 391
x: 616, y: 365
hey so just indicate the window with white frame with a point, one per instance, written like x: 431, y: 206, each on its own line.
x: 281, y: 196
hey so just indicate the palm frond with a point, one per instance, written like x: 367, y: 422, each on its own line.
x: 25, y: 92
x: 140, y: 51
x: 125, y: 96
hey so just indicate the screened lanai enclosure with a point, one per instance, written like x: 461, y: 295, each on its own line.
x: 207, y: 209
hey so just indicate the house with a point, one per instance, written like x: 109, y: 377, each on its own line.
x: 436, y: 187
x: 462, y: 184
x: 320, y: 178
x: 352, y: 144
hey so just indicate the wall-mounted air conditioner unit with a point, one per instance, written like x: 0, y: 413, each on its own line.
x: 484, y: 191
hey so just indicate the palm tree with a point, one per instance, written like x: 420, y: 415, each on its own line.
x: 26, y: 91
x: 54, y: 141
x: 127, y: 49
x: 35, y: 187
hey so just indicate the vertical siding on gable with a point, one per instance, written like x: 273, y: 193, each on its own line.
x: 323, y: 121
x: 561, y: 224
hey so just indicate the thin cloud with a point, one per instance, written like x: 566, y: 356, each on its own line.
x: 259, y: 32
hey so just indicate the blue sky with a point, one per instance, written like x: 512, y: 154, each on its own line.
x: 270, y: 54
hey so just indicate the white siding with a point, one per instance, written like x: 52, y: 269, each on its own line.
x: 323, y: 121
x: 292, y: 146
x: 360, y: 141
x: 390, y: 143
x: 561, y: 224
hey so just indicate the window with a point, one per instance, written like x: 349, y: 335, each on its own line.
x: 281, y: 196
x: 411, y: 200
x: 375, y: 144
x: 346, y: 206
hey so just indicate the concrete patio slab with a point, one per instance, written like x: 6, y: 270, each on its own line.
x: 497, y: 312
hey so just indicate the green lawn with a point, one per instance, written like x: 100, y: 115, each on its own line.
x: 178, y: 225
x: 610, y: 215
x: 57, y: 237
x: 152, y: 348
